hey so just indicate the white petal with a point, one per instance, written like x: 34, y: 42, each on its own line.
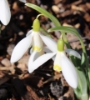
x: 73, y: 52
x: 57, y: 59
x: 69, y: 71
x: 47, y: 50
x: 37, y: 42
x: 57, y: 66
x: 21, y: 48
x: 5, y: 14
x: 31, y: 51
x: 39, y: 61
x: 32, y: 58
x: 53, y: 58
x: 50, y: 43
x: 29, y: 32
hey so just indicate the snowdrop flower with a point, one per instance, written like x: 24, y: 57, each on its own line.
x: 5, y: 14
x: 35, y: 39
x: 61, y: 62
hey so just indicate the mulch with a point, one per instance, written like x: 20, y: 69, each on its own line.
x: 43, y: 84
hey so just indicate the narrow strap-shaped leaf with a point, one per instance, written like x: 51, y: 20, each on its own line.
x: 81, y: 90
x: 68, y: 29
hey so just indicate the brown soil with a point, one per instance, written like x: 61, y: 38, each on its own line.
x: 43, y: 84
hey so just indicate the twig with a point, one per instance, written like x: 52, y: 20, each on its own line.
x: 52, y: 78
x: 11, y: 68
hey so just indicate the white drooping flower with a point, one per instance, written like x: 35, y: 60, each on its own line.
x: 61, y: 63
x: 5, y: 14
x: 35, y: 40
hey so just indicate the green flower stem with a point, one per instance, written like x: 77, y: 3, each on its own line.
x: 40, y: 15
x: 65, y: 40
x: 69, y: 29
x: 73, y: 31
x: 50, y: 16
x: 44, y: 12
x: 47, y: 14
x: 45, y: 32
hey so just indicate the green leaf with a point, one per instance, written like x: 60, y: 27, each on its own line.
x: 76, y: 61
x: 45, y: 32
x: 82, y: 86
x: 75, y: 32
x: 83, y: 59
x: 89, y: 74
x: 89, y: 78
x: 44, y: 12
x: 68, y: 29
x: 84, y: 97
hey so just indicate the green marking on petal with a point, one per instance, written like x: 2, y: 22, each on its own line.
x: 36, y: 25
x: 57, y: 68
x: 36, y: 48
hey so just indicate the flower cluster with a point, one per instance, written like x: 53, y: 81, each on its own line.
x: 5, y: 14
x: 41, y: 44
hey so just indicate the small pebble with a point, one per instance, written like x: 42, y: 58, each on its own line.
x: 77, y: 25
x: 24, y: 59
x: 10, y: 49
x: 60, y: 5
x: 11, y: 39
x: 87, y: 17
x: 21, y: 33
x: 15, y: 6
x: 3, y: 27
x: 22, y: 66
x: 21, y: 17
x: 55, y: 9
x: 6, y: 62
